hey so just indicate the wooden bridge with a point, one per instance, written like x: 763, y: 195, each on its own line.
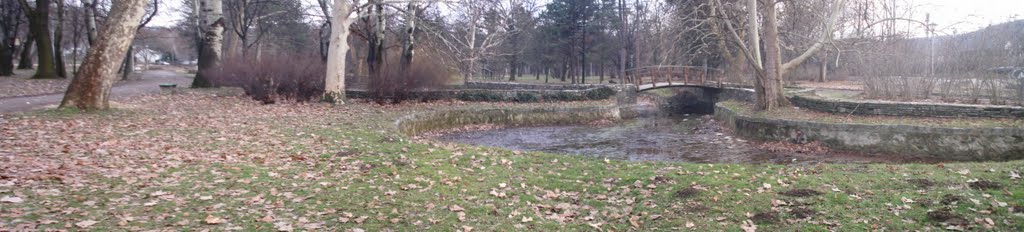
x: 662, y: 76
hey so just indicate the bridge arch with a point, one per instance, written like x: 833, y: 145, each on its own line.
x: 663, y: 76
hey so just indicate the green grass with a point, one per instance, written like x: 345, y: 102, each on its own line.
x: 373, y: 179
x: 856, y: 197
x: 838, y: 94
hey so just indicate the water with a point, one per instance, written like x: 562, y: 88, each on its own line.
x: 659, y: 138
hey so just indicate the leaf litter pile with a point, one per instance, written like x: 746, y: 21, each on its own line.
x: 201, y: 162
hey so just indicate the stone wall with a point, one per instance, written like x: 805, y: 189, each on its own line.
x: 441, y: 120
x: 512, y: 85
x: 504, y: 95
x: 738, y: 94
x: 836, y: 106
x: 961, y: 144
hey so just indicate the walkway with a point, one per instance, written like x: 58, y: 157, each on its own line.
x: 149, y: 83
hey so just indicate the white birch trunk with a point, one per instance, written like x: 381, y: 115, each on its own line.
x: 334, y: 84
x: 89, y: 10
x: 211, y: 25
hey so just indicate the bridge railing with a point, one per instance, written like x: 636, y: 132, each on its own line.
x: 674, y: 75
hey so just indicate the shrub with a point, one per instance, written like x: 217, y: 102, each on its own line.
x: 600, y: 93
x: 479, y: 96
x: 526, y: 97
x: 272, y: 78
x: 563, y: 96
x: 394, y: 86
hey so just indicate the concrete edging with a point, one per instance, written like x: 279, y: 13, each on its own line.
x: 418, y: 123
x: 961, y: 144
x: 882, y: 108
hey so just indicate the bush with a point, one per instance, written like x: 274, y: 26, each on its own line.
x: 600, y: 93
x: 479, y: 96
x: 272, y: 78
x: 526, y: 97
x: 563, y: 96
x: 395, y: 86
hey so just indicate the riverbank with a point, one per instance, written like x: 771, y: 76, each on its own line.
x: 196, y: 161
x: 975, y: 139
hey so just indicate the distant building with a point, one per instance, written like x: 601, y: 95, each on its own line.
x: 147, y: 56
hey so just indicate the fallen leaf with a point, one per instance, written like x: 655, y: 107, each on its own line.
x: 748, y: 226
x: 283, y: 226
x: 85, y: 224
x: 211, y: 220
x: 455, y: 208
x: 10, y: 199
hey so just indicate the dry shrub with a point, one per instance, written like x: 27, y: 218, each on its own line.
x: 394, y: 86
x: 272, y: 78
x: 900, y: 87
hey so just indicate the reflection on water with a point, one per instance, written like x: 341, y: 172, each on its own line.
x: 689, y: 139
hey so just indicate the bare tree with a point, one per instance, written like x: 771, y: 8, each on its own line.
x: 39, y: 24
x: 90, y: 88
x: 89, y: 9
x: 128, y: 65
x: 470, y: 43
x: 211, y: 24
x: 10, y: 22
x: 334, y: 83
x: 25, y: 58
x: 58, y: 41
x: 768, y: 83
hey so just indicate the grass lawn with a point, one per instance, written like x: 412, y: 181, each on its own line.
x: 199, y: 162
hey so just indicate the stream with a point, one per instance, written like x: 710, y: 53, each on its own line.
x: 683, y: 138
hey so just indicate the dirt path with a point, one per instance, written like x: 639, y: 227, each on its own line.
x: 149, y: 83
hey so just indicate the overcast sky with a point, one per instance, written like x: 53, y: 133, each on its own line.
x: 970, y: 15
x: 959, y: 15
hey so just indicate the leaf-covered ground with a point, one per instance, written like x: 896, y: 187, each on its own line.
x: 21, y: 85
x: 202, y: 162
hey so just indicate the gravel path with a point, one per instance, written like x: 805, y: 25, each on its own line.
x: 149, y: 83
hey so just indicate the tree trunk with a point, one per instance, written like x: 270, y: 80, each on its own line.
x: 754, y: 37
x: 470, y: 67
x: 334, y: 83
x: 6, y: 55
x: 408, y: 46
x: 25, y: 58
x: 375, y: 40
x: 89, y: 8
x: 823, y: 70
x: 512, y: 67
x: 128, y: 64
x: 325, y: 30
x: 211, y: 23
x: 547, y: 74
x: 58, y: 39
x: 623, y: 40
x: 39, y: 24
x: 773, y: 96
x: 90, y: 88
